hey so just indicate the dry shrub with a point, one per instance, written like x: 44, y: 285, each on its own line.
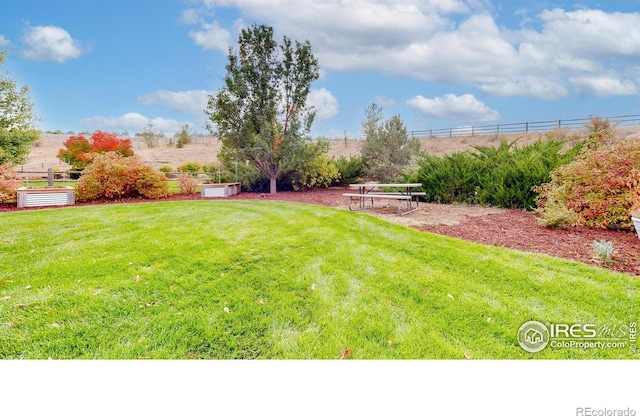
x: 600, y: 186
x: 188, y: 184
x: 112, y: 176
x: 9, y: 183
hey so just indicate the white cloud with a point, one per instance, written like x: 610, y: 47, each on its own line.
x: 212, y: 36
x: 190, y: 17
x: 464, y: 107
x: 604, y: 86
x: 193, y: 101
x: 325, y: 103
x: 384, y: 101
x: 591, y: 33
x: 552, y: 55
x: 133, y: 122
x: 3, y: 41
x: 51, y: 43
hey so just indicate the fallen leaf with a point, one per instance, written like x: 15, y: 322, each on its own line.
x: 489, y: 319
x: 260, y: 302
x: 386, y: 298
x: 226, y: 309
x: 467, y: 355
x: 345, y: 354
x: 22, y: 305
x: 12, y: 324
x: 450, y: 296
x: 313, y: 286
x: 137, y: 279
x: 476, y: 271
x: 4, y: 282
x: 5, y: 298
x: 426, y: 292
x: 27, y: 287
x: 97, y: 292
x: 389, y: 341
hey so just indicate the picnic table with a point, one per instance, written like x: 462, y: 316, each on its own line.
x: 402, y: 192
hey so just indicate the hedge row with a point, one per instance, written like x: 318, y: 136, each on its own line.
x: 500, y: 176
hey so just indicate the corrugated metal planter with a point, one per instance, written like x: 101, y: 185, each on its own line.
x: 45, y: 197
x: 636, y: 224
x: 219, y: 190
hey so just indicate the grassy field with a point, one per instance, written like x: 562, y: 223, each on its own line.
x: 273, y: 280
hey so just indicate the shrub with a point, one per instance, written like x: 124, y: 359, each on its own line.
x: 603, y: 249
x: 450, y: 178
x: 9, y: 183
x: 600, y: 186
x: 555, y: 215
x: 501, y: 176
x: 188, y: 184
x: 510, y: 172
x: 113, y: 176
x: 190, y: 167
x: 165, y: 169
x: 350, y: 170
x: 319, y: 172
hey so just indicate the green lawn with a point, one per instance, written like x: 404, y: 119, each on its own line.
x: 275, y: 280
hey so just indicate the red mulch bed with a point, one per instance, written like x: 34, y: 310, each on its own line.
x: 519, y: 230
x: 509, y: 228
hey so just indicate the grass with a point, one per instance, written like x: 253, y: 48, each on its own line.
x: 275, y: 280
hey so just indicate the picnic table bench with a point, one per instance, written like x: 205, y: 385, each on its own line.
x: 403, y: 193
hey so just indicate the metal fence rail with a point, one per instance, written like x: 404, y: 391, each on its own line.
x: 513, y: 128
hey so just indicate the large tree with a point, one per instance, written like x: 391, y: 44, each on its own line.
x: 17, y: 121
x: 387, y: 149
x: 261, y: 113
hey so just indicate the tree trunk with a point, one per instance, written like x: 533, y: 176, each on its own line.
x: 272, y: 184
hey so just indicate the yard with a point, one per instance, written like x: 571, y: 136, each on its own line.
x: 280, y: 280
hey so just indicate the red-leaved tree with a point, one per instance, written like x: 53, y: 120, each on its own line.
x: 102, y: 142
x: 79, y: 152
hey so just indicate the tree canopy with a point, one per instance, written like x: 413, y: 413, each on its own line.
x: 261, y: 114
x: 80, y: 152
x: 387, y: 149
x: 17, y: 121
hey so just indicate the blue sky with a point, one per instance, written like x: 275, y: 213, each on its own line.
x: 119, y: 65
